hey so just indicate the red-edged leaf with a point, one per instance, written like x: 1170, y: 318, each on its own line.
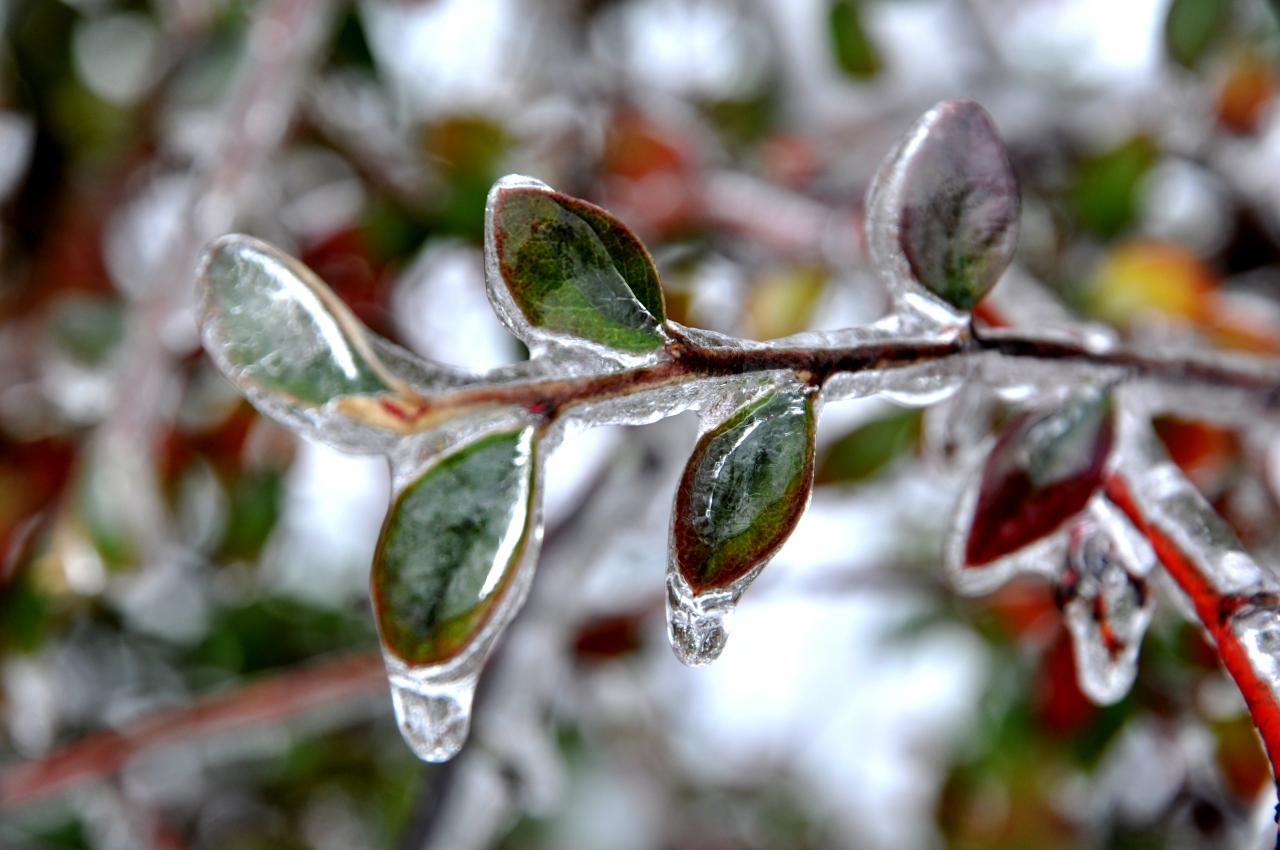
x: 1041, y: 473
x: 744, y: 489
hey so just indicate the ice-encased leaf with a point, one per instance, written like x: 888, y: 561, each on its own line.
x: 744, y: 489
x: 451, y: 544
x: 1041, y: 472
x: 571, y: 270
x: 1107, y: 605
x: 948, y: 201
x: 273, y: 327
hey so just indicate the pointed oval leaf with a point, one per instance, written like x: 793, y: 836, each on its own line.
x: 571, y: 270
x: 1040, y: 474
x: 950, y: 198
x: 451, y: 545
x: 744, y: 489
x: 272, y: 326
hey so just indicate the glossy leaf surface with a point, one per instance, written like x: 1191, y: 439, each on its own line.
x: 450, y: 546
x: 1107, y: 606
x: 273, y: 326
x: 959, y: 203
x: 744, y: 489
x: 574, y: 270
x: 1040, y: 473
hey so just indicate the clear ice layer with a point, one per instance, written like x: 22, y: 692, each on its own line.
x: 434, y: 717
x: 1107, y: 605
x: 697, y: 626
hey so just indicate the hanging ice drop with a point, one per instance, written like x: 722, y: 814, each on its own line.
x: 1108, y: 606
x: 434, y: 716
x: 742, y: 493
x: 697, y: 626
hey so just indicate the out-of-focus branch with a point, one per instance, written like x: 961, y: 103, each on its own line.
x: 283, y: 43
x: 271, y: 699
x: 786, y: 222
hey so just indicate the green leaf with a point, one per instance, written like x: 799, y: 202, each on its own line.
x: 948, y: 197
x: 1104, y: 191
x: 744, y: 489
x: 1191, y: 28
x: 451, y: 545
x: 854, y: 52
x: 272, y: 326
x: 571, y: 269
x: 867, y: 449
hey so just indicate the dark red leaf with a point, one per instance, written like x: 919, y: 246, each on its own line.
x: 1041, y: 473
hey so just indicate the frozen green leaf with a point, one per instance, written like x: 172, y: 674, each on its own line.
x: 450, y: 546
x: 272, y: 326
x: 744, y: 489
x: 573, y: 270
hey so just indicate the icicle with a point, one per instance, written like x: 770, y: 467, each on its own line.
x: 434, y: 714
x: 697, y: 626
x: 1106, y: 602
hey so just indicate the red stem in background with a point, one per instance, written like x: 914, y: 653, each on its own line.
x: 1214, y: 609
x: 272, y: 698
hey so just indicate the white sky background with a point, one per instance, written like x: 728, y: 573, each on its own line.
x: 802, y: 671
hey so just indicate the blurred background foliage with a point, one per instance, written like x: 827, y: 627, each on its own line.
x: 164, y: 550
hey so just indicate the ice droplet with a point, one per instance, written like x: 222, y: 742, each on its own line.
x: 434, y: 716
x: 1257, y: 627
x: 922, y: 390
x: 697, y: 626
x: 1107, y: 606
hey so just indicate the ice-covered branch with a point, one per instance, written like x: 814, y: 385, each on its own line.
x: 457, y: 551
x: 1235, y: 599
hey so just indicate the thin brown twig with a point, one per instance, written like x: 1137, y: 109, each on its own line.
x: 273, y: 698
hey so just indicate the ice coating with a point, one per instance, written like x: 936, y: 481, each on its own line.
x: 294, y: 349
x: 484, y: 567
x: 1257, y: 628
x: 451, y: 545
x: 1107, y: 604
x: 272, y: 324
